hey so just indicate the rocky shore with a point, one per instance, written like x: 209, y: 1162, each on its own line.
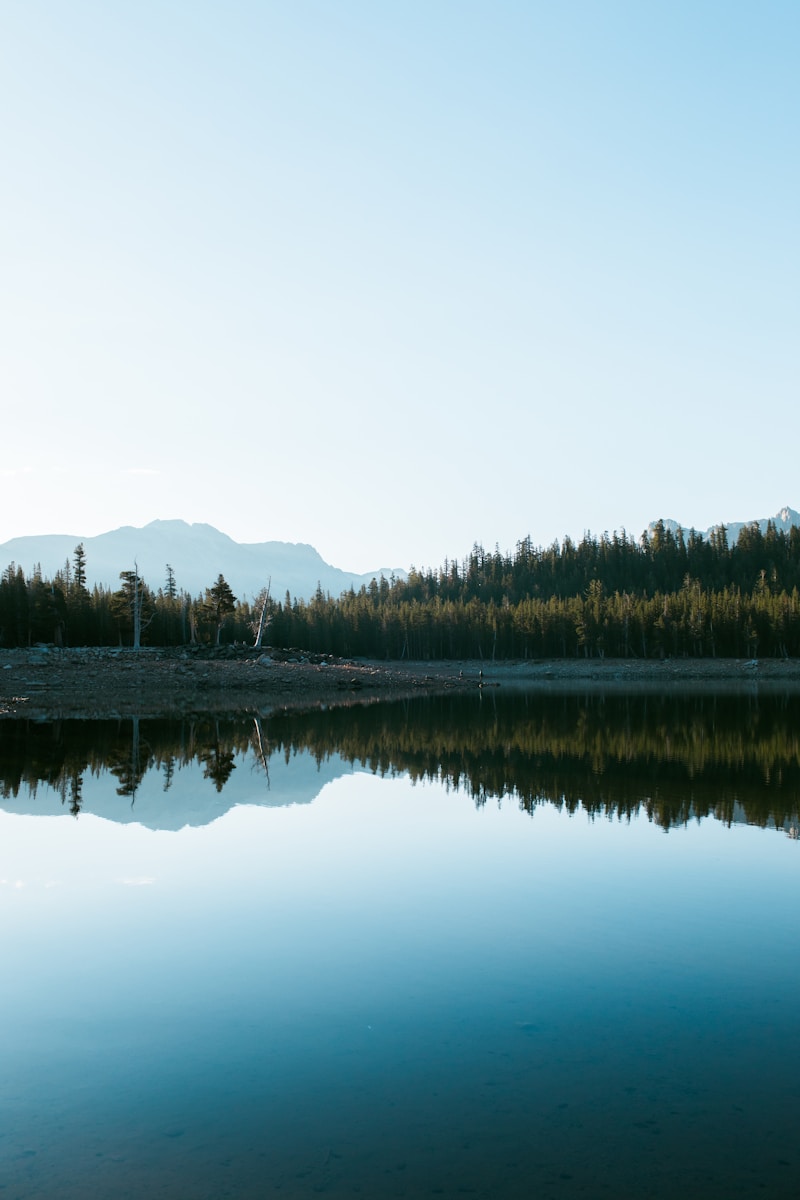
x: 46, y: 682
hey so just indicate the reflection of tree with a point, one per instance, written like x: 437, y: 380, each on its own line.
x: 130, y: 768
x: 261, y: 746
x: 218, y: 764
x: 673, y: 758
x: 168, y: 770
x: 217, y: 759
x: 75, y: 789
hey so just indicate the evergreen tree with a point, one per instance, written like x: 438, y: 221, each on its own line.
x: 133, y: 605
x: 219, y: 603
x: 79, y: 573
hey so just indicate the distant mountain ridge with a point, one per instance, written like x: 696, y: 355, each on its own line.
x: 783, y: 521
x: 197, y: 553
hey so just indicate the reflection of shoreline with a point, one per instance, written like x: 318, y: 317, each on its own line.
x: 675, y: 757
x: 48, y: 683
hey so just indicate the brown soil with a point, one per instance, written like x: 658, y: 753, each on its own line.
x: 48, y: 682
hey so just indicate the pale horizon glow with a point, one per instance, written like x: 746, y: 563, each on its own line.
x: 391, y: 280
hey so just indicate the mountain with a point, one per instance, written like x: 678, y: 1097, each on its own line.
x: 783, y: 522
x: 197, y: 554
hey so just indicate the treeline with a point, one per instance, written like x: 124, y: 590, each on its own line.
x: 664, y: 595
x: 65, y: 612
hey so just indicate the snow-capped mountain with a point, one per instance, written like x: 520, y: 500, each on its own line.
x: 783, y: 521
x: 197, y: 554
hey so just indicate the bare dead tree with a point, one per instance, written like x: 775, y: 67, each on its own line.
x: 264, y: 618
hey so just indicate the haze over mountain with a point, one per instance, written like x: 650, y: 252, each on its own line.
x: 197, y: 554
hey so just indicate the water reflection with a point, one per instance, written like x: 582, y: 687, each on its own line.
x: 397, y: 991
x: 733, y: 757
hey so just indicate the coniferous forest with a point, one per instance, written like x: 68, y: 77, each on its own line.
x: 666, y: 594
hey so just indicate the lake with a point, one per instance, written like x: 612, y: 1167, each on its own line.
x: 501, y: 946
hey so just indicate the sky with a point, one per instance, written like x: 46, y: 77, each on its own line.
x: 395, y: 278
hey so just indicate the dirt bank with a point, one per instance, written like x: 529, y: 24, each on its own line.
x: 50, y: 683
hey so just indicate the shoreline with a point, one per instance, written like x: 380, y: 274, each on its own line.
x: 47, y: 683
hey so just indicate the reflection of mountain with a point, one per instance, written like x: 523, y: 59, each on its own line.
x: 163, y: 775
x: 675, y: 758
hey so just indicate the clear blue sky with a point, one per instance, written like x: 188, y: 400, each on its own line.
x: 393, y: 277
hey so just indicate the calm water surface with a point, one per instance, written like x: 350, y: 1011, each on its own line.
x: 491, y: 949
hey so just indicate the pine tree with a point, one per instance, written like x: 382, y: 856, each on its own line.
x: 133, y: 603
x: 79, y: 573
x: 220, y: 601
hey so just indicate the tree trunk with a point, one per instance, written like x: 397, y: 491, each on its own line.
x: 137, y: 610
x: 262, y: 620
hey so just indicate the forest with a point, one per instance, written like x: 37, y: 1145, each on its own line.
x: 666, y: 594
